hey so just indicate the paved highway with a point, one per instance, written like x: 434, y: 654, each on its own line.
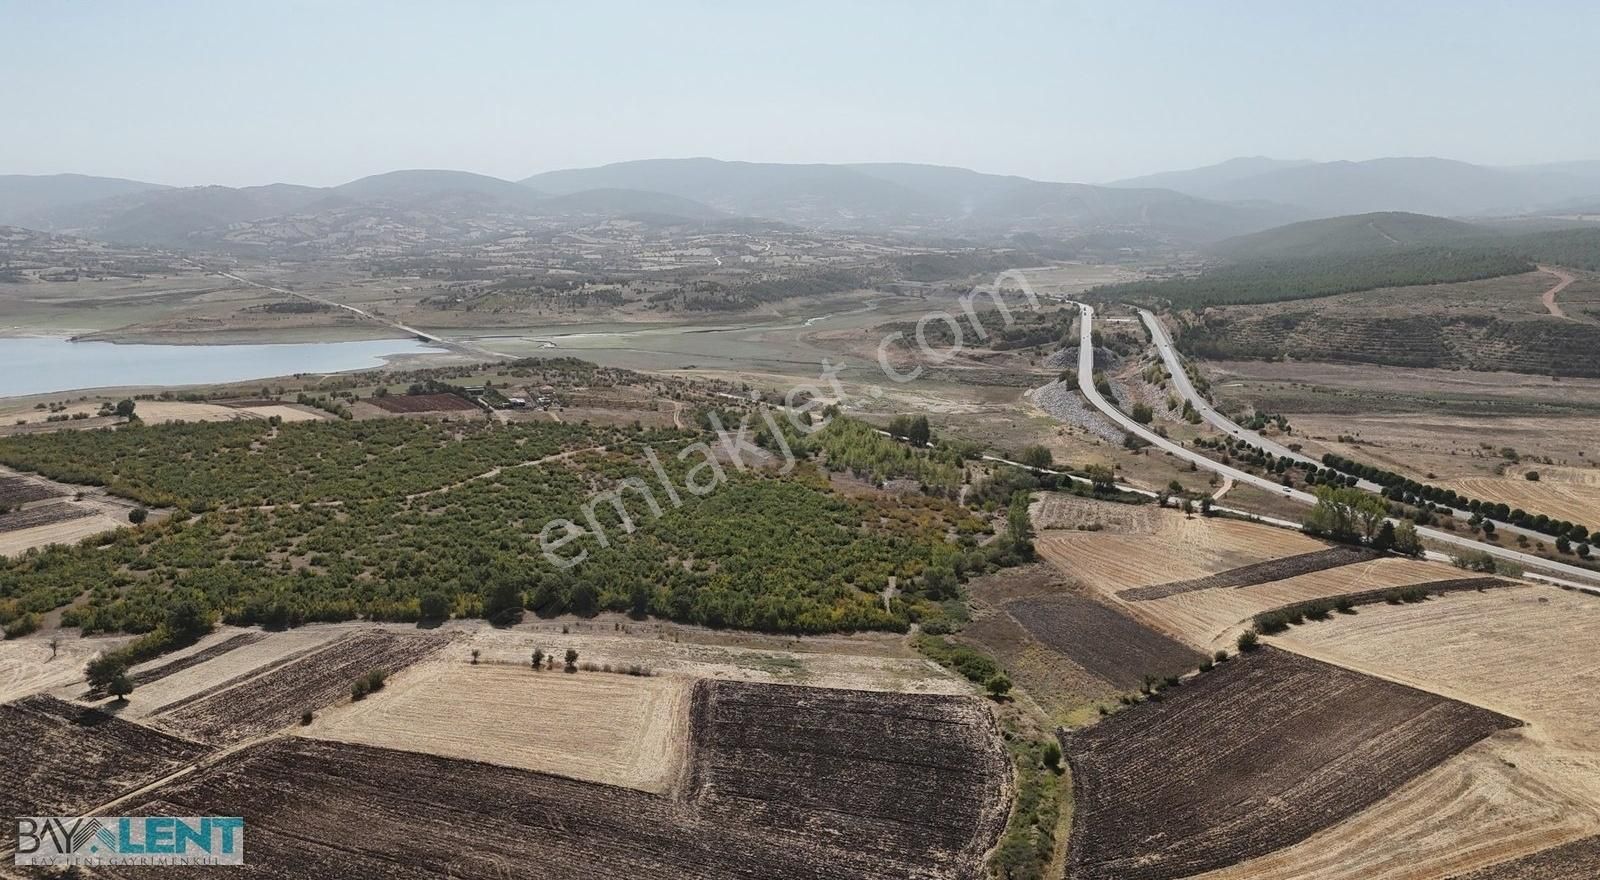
x: 1180, y: 379
x: 1092, y: 394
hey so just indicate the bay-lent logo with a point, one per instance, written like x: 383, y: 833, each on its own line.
x: 130, y: 840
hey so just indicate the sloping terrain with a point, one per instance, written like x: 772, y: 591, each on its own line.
x: 62, y: 759
x: 1259, y: 754
x: 1523, y: 651
x: 787, y: 782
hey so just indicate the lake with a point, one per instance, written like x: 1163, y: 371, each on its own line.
x: 44, y: 364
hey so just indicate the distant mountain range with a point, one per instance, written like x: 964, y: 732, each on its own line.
x: 1442, y: 187
x: 911, y: 200
x: 1185, y: 208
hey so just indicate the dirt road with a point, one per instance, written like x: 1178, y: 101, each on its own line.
x: 1549, y: 298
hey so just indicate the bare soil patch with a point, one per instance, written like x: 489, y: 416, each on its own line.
x: 62, y: 758
x: 1579, y: 860
x: 1102, y: 640
x: 43, y: 515
x: 1255, y: 573
x: 16, y: 489
x: 615, y: 729
x: 1259, y: 754
x: 420, y: 403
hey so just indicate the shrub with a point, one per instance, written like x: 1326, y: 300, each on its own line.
x: 1221, y: 655
x: 1248, y: 640
x: 1207, y: 664
x: 306, y: 717
x: 998, y: 686
x: 138, y: 515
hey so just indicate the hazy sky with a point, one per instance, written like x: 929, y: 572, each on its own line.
x: 320, y: 93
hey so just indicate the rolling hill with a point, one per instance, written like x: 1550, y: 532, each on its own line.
x: 1419, y: 185
x: 1355, y: 234
x: 22, y: 195
x: 908, y: 196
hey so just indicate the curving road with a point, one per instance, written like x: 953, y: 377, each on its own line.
x: 1180, y: 380
x: 1092, y: 394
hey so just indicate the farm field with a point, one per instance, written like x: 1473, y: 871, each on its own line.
x: 41, y: 515
x: 1448, y: 446
x: 1570, y: 494
x: 63, y: 759
x: 175, y: 665
x: 1579, y: 860
x: 422, y: 403
x: 29, y: 666
x: 16, y: 489
x: 1174, y: 548
x: 1207, y: 618
x: 615, y: 729
x: 1261, y: 753
x: 1062, y: 688
x: 1255, y: 573
x: 65, y: 531
x: 862, y: 661
x: 192, y: 682
x: 275, y: 699
x: 1522, y: 651
x: 872, y: 755
x: 1101, y: 639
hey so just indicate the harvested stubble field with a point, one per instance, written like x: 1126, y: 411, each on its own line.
x: 864, y: 661
x: 188, y: 661
x: 1102, y: 640
x: 1259, y: 754
x: 615, y: 729
x: 1571, y: 494
x: 30, y: 666
x: 1255, y: 573
x: 1055, y: 510
x: 1525, y: 651
x: 71, y: 531
x: 1579, y: 860
x: 225, y: 670
x: 1175, y: 547
x: 836, y: 777
x: 1206, y: 618
x: 62, y: 759
x: 275, y: 699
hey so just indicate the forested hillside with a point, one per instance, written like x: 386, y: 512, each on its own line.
x: 1311, y: 277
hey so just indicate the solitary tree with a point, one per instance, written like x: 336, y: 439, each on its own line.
x: 538, y: 657
x: 124, y: 409
x: 120, y: 687
x: 138, y: 515
x: 474, y: 656
x: 55, y: 645
x: 572, y: 660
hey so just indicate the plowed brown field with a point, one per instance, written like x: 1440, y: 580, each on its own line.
x: 1259, y: 754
